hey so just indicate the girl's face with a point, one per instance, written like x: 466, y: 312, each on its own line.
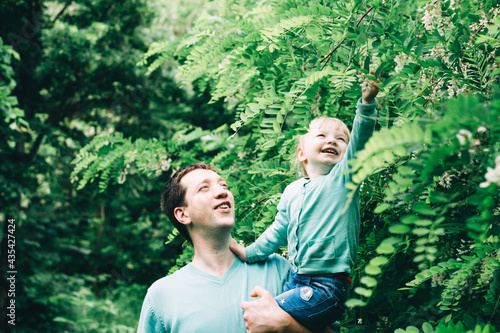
x: 322, y: 148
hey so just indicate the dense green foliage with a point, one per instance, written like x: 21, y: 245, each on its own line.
x: 68, y: 72
x: 429, y: 177
x: 429, y: 215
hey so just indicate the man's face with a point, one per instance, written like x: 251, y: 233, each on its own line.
x: 209, y: 203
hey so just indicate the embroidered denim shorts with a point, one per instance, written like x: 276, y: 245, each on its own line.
x: 315, y: 301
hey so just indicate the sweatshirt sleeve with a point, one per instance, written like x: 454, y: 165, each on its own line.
x: 362, y: 129
x: 271, y: 239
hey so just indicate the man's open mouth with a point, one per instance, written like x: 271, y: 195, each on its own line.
x: 224, y: 205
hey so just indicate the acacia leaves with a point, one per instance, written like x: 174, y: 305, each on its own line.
x: 275, y: 65
x: 424, y: 213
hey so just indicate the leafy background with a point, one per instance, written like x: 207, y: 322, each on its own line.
x: 102, y: 102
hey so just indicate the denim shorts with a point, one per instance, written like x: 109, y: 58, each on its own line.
x: 315, y: 301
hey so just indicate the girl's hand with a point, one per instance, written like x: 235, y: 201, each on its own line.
x: 368, y: 97
x: 238, y: 249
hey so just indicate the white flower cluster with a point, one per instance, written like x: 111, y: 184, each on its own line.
x: 495, y: 12
x: 437, y: 280
x: 445, y: 180
x: 438, y: 51
x: 123, y: 176
x: 454, y: 88
x: 464, y: 67
x: 364, y: 82
x: 493, y: 66
x: 483, y: 23
x: 431, y: 10
x: 464, y: 136
x: 492, y: 175
x: 473, y: 144
x: 164, y: 164
x: 436, y: 94
x: 433, y: 17
x: 401, y: 60
x: 423, y: 78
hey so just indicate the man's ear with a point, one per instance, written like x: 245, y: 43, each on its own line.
x: 181, y: 215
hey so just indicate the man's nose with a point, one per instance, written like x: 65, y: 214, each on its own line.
x: 221, y: 192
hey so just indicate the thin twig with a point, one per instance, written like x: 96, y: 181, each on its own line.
x: 362, y: 17
x: 66, y: 5
x: 329, y: 55
x: 252, y: 206
x: 331, y: 52
x: 478, y: 30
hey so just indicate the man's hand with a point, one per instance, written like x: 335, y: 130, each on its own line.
x: 238, y: 249
x: 265, y: 315
x: 368, y: 97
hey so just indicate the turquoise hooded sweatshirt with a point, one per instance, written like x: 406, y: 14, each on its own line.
x: 320, y: 239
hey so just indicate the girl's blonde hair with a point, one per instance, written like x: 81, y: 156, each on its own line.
x: 318, y: 123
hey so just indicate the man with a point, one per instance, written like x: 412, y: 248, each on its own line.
x: 212, y: 294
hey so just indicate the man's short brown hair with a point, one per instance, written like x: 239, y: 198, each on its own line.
x: 174, y: 195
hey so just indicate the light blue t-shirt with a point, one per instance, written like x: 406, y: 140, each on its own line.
x: 191, y: 300
x: 321, y: 239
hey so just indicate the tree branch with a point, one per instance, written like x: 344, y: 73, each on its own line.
x: 35, y: 147
x: 61, y: 12
x: 329, y: 55
x: 249, y: 207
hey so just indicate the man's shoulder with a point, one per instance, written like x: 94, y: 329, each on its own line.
x: 274, y: 262
x: 172, y: 281
x: 277, y: 259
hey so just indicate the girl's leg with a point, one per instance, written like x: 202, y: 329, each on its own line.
x: 315, y: 302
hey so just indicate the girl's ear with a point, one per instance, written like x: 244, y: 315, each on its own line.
x: 300, y: 155
x: 181, y: 215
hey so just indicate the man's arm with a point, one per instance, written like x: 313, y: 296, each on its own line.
x: 265, y: 315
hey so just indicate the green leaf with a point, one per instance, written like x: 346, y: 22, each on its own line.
x: 353, y: 302
x: 399, y: 150
x: 399, y: 229
x: 423, y: 208
x: 380, y: 69
x: 276, y: 127
x: 381, y: 208
x: 423, y: 223
x: 427, y: 328
x: 379, y: 261
x: 363, y: 291
x: 385, y: 249
x: 369, y: 281
x: 411, y: 44
x: 420, y: 231
x: 410, y: 219
x: 372, y: 269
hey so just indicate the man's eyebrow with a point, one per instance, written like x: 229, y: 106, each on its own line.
x: 204, y: 180
x: 208, y: 180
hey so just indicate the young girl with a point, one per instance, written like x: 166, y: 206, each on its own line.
x: 322, y: 242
